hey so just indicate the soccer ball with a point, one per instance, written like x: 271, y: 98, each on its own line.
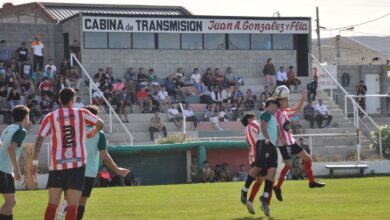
x: 282, y: 92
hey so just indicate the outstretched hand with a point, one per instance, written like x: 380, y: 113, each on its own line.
x: 123, y: 172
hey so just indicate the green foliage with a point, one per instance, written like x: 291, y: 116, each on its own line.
x: 385, y: 141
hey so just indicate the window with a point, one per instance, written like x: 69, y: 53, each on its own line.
x: 95, y: 40
x: 143, y: 41
x: 282, y: 41
x: 169, y: 41
x: 119, y: 40
x: 239, y: 41
x: 261, y: 42
x: 214, y: 41
x: 192, y: 41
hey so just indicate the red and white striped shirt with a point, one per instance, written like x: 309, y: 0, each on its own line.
x: 66, y: 126
x: 281, y: 118
x: 252, y: 132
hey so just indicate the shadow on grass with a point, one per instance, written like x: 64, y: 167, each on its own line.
x: 255, y: 218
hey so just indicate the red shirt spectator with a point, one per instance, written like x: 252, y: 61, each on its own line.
x: 142, y: 94
x: 46, y: 87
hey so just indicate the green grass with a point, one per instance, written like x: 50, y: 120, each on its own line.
x: 355, y: 198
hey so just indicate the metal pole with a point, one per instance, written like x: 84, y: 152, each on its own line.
x: 358, y: 146
x: 345, y: 107
x: 318, y: 33
x: 184, y: 121
x: 331, y: 94
x: 338, y: 48
x: 380, y: 143
x: 110, y: 121
x: 311, y: 145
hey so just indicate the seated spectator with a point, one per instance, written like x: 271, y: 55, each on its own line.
x: 175, y: 116
x: 180, y: 73
x: 3, y: 93
x: 163, y: 97
x: 209, y: 114
x: 131, y: 74
x: 208, y: 173
x: 35, y: 113
x: 226, y: 95
x: 99, y: 76
x: 296, y: 126
x: 152, y: 78
x: 46, y: 87
x: 173, y: 90
x: 48, y: 73
x: 27, y: 88
x: 265, y: 95
x: 110, y: 75
x: 322, y: 114
x: 78, y: 103
x: 124, y: 101
x: 156, y: 125
x: 208, y: 79
x: 109, y: 97
x: 225, y: 175
x: 249, y: 101
x: 26, y: 71
x: 118, y: 86
x: 64, y: 67
x: 37, y: 76
x: 97, y: 97
x: 292, y: 79
x: 312, y: 90
x: 142, y: 79
x: 144, y: 100
x: 105, y: 85
x: 11, y: 78
x: 46, y: 104
x: 297, y: 168
x: 222, y: 115
x: 281, y: 77
x: 237, y: 96
x: 190, y: 116
x: 14, y: 67
x: 309, y: 113
x: 301, y: 142
x: 74, y: 78
x: 131, y: 89
x: 53, y: 68
x: 242, y: 174
x: 231, y: 78
x: 220, y: 80
x: 216, y: 97
x: 61, y: 83
x: 13, y: 99
x: 196, y: 81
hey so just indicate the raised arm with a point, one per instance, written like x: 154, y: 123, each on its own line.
x: 301, y: 102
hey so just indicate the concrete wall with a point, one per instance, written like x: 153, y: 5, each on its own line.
x: 51, y: 36
x: 165, y: 62
x: 72, y: 26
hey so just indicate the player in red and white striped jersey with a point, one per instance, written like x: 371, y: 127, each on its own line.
x: 68, y: 153
x: 283, y: 116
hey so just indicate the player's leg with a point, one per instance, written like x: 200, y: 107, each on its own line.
x: 285, y: 151
x: 307, y: 165
x: 8, y: 205
x: 73, y: 197
x: 54, y: 200
x: 255, y: 188
x: 272, y: 164
x: 74, y: 186
x: 87, y: 189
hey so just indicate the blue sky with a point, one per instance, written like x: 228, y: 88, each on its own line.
x: 333, y: 13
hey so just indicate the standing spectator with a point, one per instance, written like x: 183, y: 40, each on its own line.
x: 309, y: 113
x: 37, y: 51
x: 46, y: 104
x: 312, y: 90
x: 196, y: 80
x: 64, y: 67
x: 74, y: 78
x: 322, y: 114
x: 190, y: 116
x: 156, y: 125
x: 75, y: 49
x: 13, y: 99
x: 175, y: 116
x: 46, y: 87
x: 53, y: 68
x: 208, y: 79
x: 5, y: 52
x: 131, y: 74
x: 22, y: 55
x: 269, y: 73
x: 281, y: 77
x: 292, y: 80
x: 361, y: 90
x: 230, y: 77
x: 124, y: 101
x: 78, y: 103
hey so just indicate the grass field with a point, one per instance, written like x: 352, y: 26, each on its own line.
x: 355, y: 198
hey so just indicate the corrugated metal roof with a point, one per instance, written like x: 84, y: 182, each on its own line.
x: 63, y: 11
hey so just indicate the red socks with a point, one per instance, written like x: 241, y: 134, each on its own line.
x: 309, y: 172
x: 255, y: 189
x: 282, y: 176
x: 269, y: 198
x: 71, y: 212
x: 50, y: 212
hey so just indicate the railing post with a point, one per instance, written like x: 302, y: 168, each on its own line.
x: 110, y: 121
x: 311, y: 145
x: 380, y: 143
x: 345, y: 107
x: 358, y: 145
x: 184, y: 120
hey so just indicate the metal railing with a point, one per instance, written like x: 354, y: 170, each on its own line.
x: 356, y: 106
x: 93, y: 86
x: 359, y: 96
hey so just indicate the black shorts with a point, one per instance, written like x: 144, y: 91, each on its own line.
x: 289, y: 150
x: 7, y: 184
x: 263, y: 172
x: 266, y: 156
x: 67, y: 179
x: 88, y: 185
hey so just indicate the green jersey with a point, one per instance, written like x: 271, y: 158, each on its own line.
x: 14, y: 133
x: 94, y: 146
x: 272, y: 127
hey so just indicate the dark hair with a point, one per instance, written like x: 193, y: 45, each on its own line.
x: 206, y: 161
x: 19, y: 112
x: 269, y: 59
x: 269, y: 102
x: 290, y: 67
x: 92, y: 108
x: 66, y: 95
x: 246, y: 117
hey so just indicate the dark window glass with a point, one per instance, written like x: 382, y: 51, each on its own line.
x: 95, y: 40
x: 282, y: 41
x: 261, y: 42
x: 214, y: 41
x: 143, y: 40
x: 169, y: 41
x: 191, y: 41
x: 239, y: 41
x: 119, y: 40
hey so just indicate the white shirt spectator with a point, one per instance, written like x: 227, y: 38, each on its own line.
x: 216, y: 97
x: 173, y: 113
x: 188, y: 113
x: 281, y: 76
x: 162, y: 95
x: 195, y: 77
x: 38, y: 47
x: 53, y: 68
x: 226, y: 94
x: 322, y: 109
x: 97, y: 94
